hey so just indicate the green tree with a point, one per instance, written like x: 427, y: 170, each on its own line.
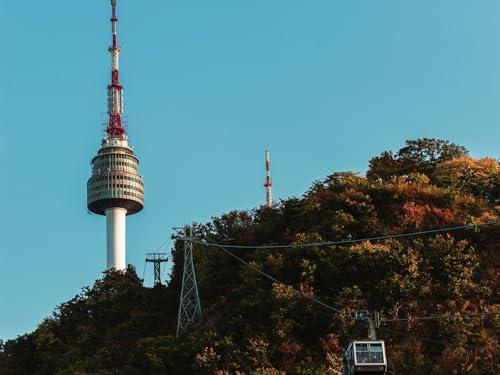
x: 253, y: 325
x: 480, y: 177
x: 418, y: 156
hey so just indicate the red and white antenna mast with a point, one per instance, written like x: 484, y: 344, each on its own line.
x: 115, y: 189
x: 268, y: 184
x: 115, y: 89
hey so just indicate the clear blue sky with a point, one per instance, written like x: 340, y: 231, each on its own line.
x: 209, y: 85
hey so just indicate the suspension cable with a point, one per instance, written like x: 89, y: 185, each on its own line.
x: 437, y: 317
x: 296, y: 291
x: 210, y: 243
x: 338, y: 311
x: 344, y: 242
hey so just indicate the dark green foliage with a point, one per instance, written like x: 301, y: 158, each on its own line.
x: 254, y: 326
x: 418, y: 156
x: 94, y: 331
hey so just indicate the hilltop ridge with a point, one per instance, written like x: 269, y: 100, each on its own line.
x: 254, y: 326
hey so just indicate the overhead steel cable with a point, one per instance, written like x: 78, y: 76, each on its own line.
x: 159, y: 248
x: 144, y: 271
x: 420, y: 338
x: 486, y: 313
x: 224, y: 247
x: 345, y: 242
x: 315, y: 300
x: 338, y: 311
x: 437, y: 317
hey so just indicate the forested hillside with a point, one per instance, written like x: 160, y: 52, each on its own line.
x: 251, y: 325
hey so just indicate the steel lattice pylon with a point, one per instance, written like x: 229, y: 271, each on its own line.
x: 189, y: 303
x: 157, y: 259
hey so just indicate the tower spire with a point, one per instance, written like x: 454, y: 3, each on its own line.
x: 268, y: 184
x: 115, y: 89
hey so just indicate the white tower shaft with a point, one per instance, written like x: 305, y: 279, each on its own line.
x: 115, y: 230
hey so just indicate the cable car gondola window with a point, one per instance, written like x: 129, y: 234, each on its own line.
x: 362, y: 355
x: 376, y: 353
x: 369, y: 353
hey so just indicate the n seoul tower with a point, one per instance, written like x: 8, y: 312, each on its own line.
x: 115, y: 189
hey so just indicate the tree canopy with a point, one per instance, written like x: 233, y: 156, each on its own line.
x: 252, y: 325
x: 418, y: 156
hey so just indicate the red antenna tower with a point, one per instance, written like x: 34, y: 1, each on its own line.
x: 115, y: 89
x: 268, y: 184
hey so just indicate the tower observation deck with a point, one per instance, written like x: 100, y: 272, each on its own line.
x: 115, y: 188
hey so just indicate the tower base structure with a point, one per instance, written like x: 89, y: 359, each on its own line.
x: 115, y: 232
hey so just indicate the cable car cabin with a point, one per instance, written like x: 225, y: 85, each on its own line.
x: 365, y: 357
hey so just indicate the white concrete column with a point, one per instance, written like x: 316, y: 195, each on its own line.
x: 115, y: 231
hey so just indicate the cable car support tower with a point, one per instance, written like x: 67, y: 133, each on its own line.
x: 157, y: 259
x: 189, y: 303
